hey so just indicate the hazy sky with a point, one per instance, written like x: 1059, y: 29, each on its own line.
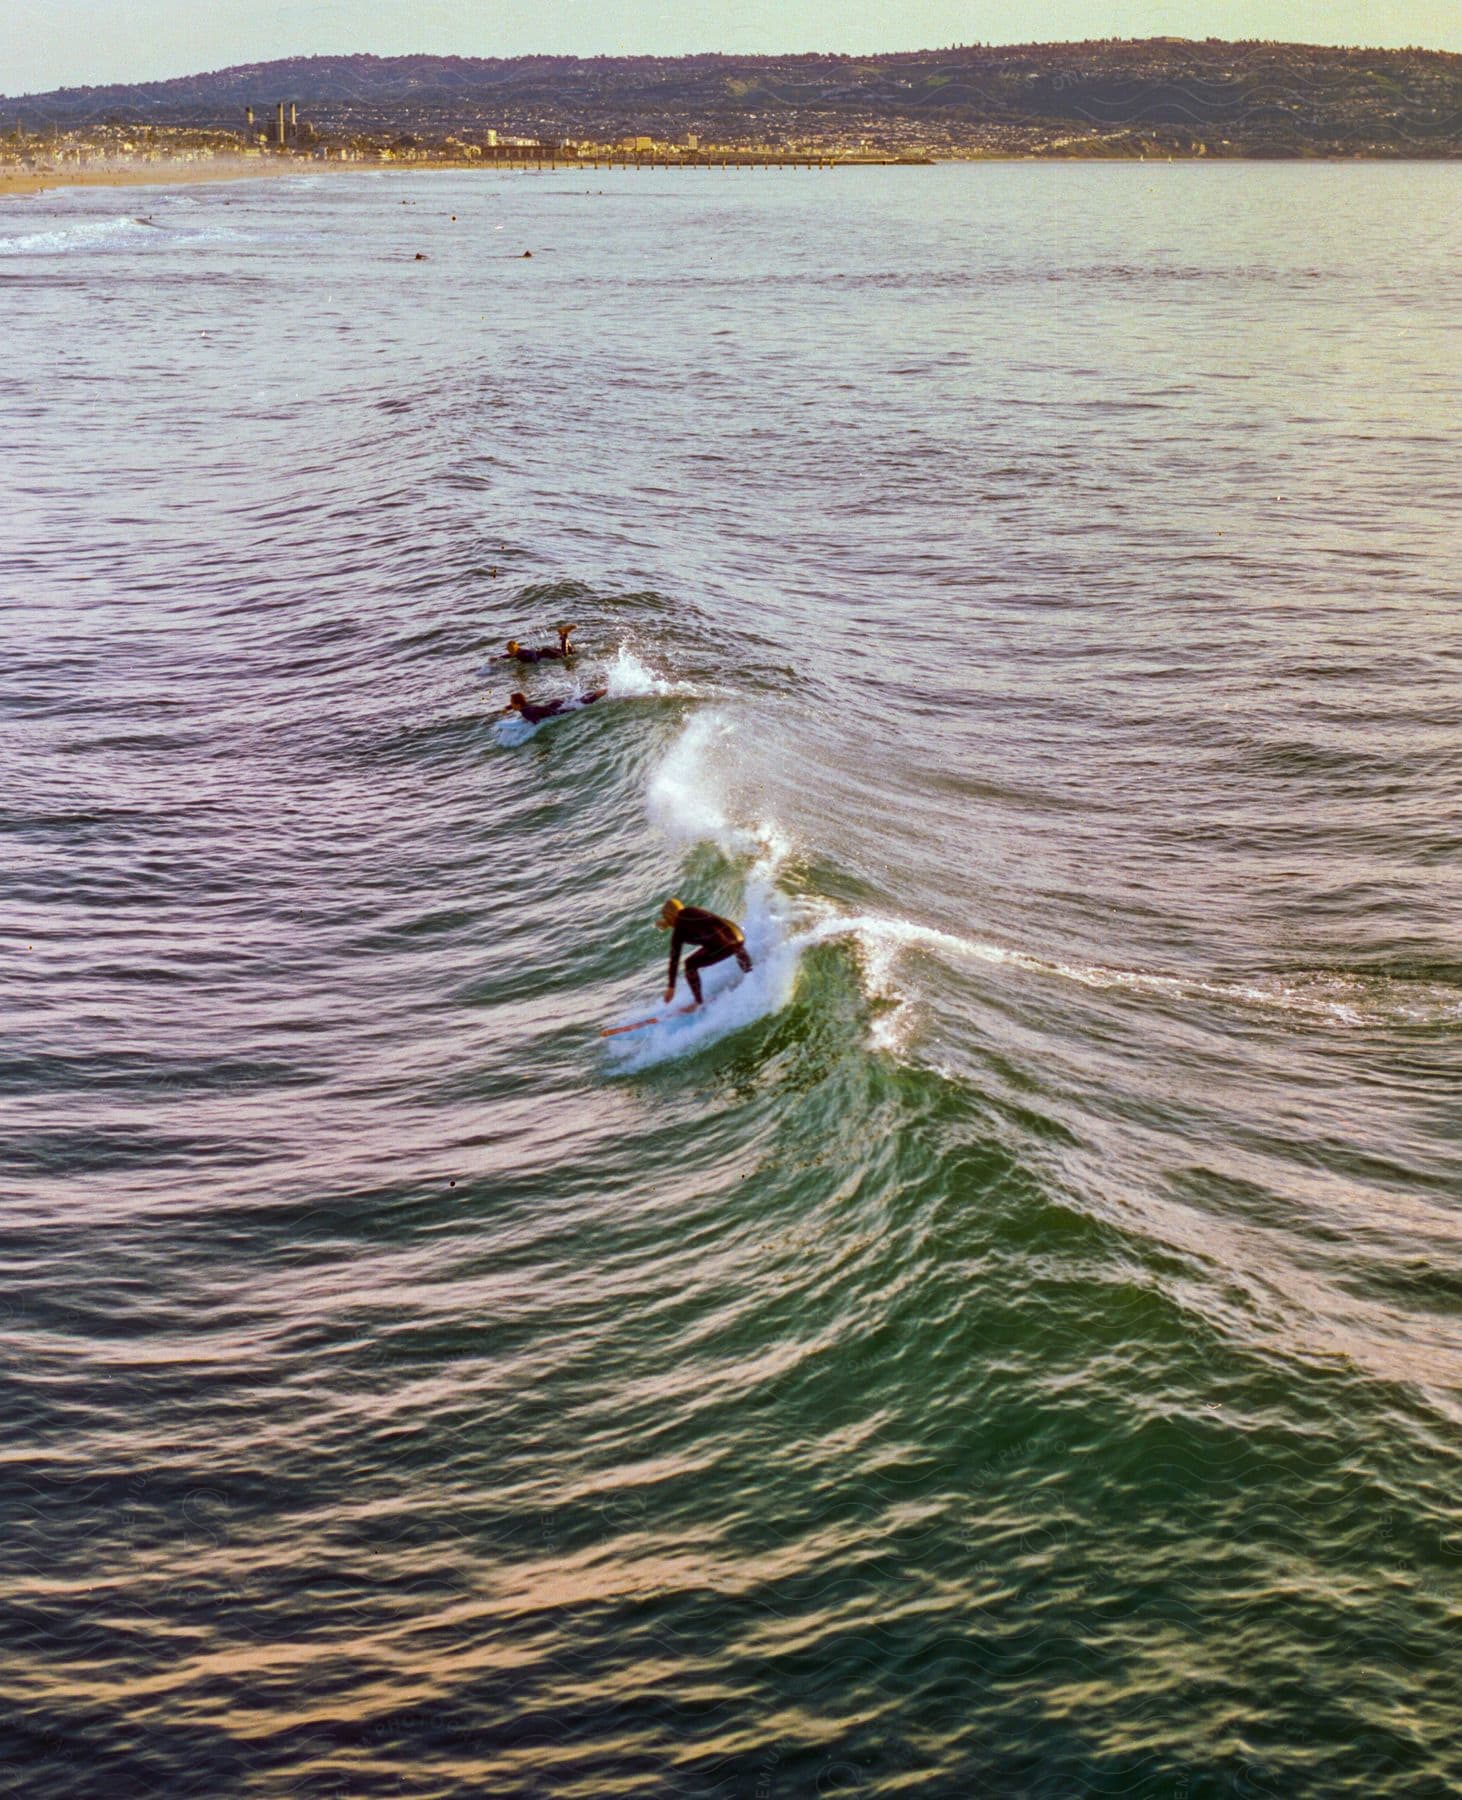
x: 73, y: 43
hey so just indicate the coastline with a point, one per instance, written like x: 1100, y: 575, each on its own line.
x: 19, y: 184
x: 22, y: 183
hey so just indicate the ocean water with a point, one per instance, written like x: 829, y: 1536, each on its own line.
x: 1007, y: 1344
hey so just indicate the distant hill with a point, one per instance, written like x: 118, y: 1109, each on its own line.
x: 1255, y: 98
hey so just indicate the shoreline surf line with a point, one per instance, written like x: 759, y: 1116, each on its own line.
x: 20, y: 185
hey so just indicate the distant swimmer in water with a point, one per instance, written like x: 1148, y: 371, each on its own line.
x: 550, y: 709
x: 718, y: 938
x: 516, y: 653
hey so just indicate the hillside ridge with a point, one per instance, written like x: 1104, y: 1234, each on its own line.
x: 1227, y: 97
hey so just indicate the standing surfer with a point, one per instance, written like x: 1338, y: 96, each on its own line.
x: 716, y: 937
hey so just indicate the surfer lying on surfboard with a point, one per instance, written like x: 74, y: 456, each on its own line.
x: 718, y: 938
x: 550, y: 709
x: 545, y: 653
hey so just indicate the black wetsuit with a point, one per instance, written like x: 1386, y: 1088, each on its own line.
x: 550, y: 709
x: 547, y: 654
x: 718, y: 938
x: 559, y: 652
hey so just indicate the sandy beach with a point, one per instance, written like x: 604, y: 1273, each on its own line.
x: 17, y: 182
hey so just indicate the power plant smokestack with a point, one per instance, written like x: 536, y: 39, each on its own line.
x: 279, y: 125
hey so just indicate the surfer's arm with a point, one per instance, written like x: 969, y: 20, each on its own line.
x: 676, y: 941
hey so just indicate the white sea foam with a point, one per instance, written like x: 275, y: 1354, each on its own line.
x: 99, y: 235
x: 684, y: 800
x: 628, y: 678
x: 1322, y: 998
x: 686, y: 803
x: 90, y: 234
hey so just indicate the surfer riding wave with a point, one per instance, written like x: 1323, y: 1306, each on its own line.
x: 716, y: 937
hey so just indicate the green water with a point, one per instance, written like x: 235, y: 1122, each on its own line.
x: 1006, y: 1344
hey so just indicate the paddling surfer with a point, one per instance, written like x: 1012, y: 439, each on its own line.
x: 716, y: 938
x: 544, y: 653
x: 550, y: 709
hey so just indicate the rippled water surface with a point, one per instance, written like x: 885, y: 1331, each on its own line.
x: 1008, y: 1343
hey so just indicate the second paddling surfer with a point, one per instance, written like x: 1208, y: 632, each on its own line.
x: 517, y: 652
